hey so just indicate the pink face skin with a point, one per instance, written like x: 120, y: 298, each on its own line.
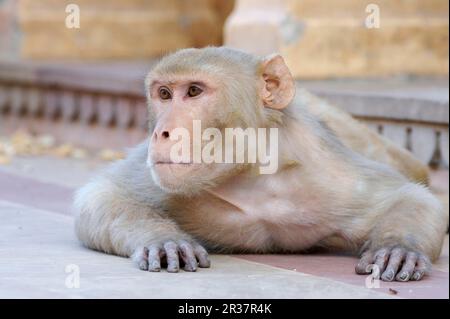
x: 175, y: 104
x: 219, y: 98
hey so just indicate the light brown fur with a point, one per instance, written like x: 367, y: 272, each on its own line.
x: 326, y: 193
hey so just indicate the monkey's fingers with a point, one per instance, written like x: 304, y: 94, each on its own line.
x: 154, y: 258
x: 171, y: 252
x: 408, y: 267
x: 141, y: 258
x: 400, y: 264
x: 381, y: 259
x: 188, y: 256
x: 422, y: 268
x: 362, y: 268
x: 395, y: 260
x: 202, y: 256
x: 371, y: 259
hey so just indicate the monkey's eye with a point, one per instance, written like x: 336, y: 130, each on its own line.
x: 164, y: 93
x: 194, y: 91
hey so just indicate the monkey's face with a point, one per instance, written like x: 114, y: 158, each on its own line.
x: 183, y: 108
x: 194, y: 95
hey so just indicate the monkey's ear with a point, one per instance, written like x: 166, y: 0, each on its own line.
x: 279, y: 86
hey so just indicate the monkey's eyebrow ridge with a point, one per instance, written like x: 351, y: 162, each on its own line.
x: 187, y: 80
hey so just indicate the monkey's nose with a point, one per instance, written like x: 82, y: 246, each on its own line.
x: 164, y: 135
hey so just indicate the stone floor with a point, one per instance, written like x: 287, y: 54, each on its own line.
x: 41, y: 258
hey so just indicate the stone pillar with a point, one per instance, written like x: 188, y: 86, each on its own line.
x: 117, y: 28
x: 322, y: 39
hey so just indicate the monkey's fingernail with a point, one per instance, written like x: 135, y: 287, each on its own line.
x: 143, y: 265
x: 175, y: 269
x: 389, y: 275
x: 155, y: 267
x: 404, y: 276
x: 190, y: 268
x: 416, y: 276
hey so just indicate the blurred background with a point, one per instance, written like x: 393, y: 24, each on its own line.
x: 72, y: 99
x: 385, y: 62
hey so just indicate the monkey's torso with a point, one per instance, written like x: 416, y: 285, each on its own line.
x: 303, y: 205
x: 331, y: 188
x: 286, y: 211
x: 264, y: 215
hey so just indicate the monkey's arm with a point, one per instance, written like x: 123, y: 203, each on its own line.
x: 408, y: 228
x: 363, y: 140
x: 120, y: 213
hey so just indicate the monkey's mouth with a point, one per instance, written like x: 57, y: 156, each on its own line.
x: 175, y: 166
x: 173, y: 163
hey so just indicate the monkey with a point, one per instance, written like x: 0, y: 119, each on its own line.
x: 367, y: 142
x: 165, y: 213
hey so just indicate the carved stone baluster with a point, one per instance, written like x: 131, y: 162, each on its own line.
x: 396, y: 133
x: 34, y: 101
x: 16, y: 96
x: 3, y: 99
x: 380, y: 128
x: 124, y: 112
x: 444, y: 146
x: 51, y: 104
x: 141, y: 115
x: 372, y: 125
x: 88, y: 110
x: 423, y: 142
x: 69, y: 104
x: 105, y: 109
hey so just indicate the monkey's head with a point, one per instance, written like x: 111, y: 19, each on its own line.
x: 220, y: 87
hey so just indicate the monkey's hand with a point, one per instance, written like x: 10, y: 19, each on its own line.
x: 171, y: 254
x: 394, y: 263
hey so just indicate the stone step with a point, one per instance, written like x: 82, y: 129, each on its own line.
x: 117, y: 29
x: 320, y: 40
x: 356, y: 8
x: 397, y: 47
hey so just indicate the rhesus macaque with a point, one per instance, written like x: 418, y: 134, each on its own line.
x: 327, y: 191
x: 363, y: 140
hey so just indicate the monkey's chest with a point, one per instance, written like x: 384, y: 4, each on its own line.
x: 279, y: 223
x: 262, y: 225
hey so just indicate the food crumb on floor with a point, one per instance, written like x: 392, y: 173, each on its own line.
x: 393, y: 291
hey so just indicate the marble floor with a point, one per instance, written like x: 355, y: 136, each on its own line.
x: 41, y: 258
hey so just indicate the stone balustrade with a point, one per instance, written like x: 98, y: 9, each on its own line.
x: 417, y: 124
x: 94, y: 105
x: 88, y: 106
